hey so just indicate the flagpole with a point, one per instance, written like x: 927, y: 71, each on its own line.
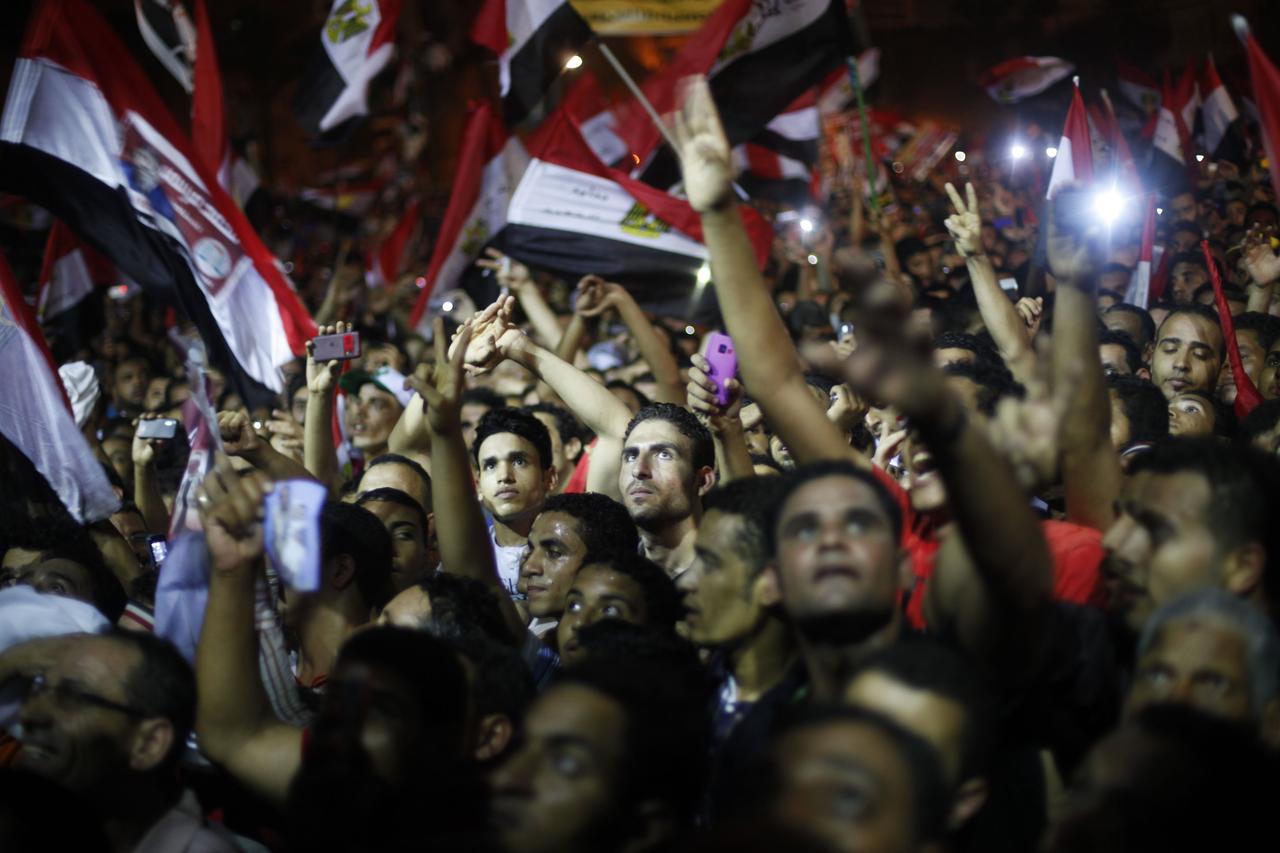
x: 852, y: 63
x: 639, y: 95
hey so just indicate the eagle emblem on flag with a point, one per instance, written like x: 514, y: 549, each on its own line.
x: 347, y: 21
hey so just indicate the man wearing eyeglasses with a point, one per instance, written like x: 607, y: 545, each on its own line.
x: 106, y: 717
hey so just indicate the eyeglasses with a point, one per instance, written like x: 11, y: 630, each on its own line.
x: 68, y: 696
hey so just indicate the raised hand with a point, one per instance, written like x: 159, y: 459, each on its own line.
x: 847, y: 409
x: 441, y: 385
x: 144, y: 449
x: 1031, y: 310
x: 607, y: 294
x: 1026, y: 431
x: 286, y: 434
x: 701, y: 394
x: 703, y: 148
x: 231, y: 511
x: 1262, y: 263
x: 887, y: 448
x: 481, y: 352
x: 322, y: 376
x: 238, y: 435
x: 1071, y: 254
x: 965, y: 225
x: 509, y: 272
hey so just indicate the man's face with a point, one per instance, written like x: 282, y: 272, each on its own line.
x: 384, y: 355
x: 598, y: 592
x: 556, y: 551
x: 754, y: 429
x: 1114, y: 360
x: 374, y: 415
x: 68, y: 735
x: 780, y: 453
x: 720, y: 592
x: 1124, y: 321
x: 1236, y: 211
x: 1269, y: 376
x: 130, y: 388
x: 513, y: 484
x: 396, y: 475
x: 1269, y: 441
x: 1198, y: 662
x: 1252, y: 357
x: 1184, y: 280
x: 1191, y: 415
x: 1160, y: 546
x: 881, y: 422
x: 836, y: 551
x: 470, y: 415
x: 56, y: 576
x: 558, y: 793
x: 1183, y: 241
x: 298, y: 408
x: 1115, y: 281
x: 120, y: 454
x: 157, y: 390
x: 934, y: 717
x: 1184, y: 207
x: 1188, y: 355
x: 920, y: 266
x: 408, y: 542
x: 657, y: 479
x: 848, y: 785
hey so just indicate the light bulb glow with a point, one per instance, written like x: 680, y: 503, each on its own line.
x: 447, y: 307
x: 1108, y: 205
x: 1051, y: 152
x: 960, y: 155
x: 1017, y: 151
x: 1199, y: 158
x: 573, y: 62
x: 806, y: 225
x: 690, y: 330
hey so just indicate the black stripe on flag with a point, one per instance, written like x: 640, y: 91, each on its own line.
x: 539, y: 61
x: 320, y: 86
x: 801, y: 150
x: 103, y: 217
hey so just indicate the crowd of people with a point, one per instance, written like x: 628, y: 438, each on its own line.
x: 940, y: 568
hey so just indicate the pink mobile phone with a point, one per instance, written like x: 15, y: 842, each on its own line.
x: 724, y: 364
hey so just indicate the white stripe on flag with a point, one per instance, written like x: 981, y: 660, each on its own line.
x: 1064, y: 168
x: 801, y: 125
x: 764, y: 25
x: 523, y: 19
x: 551, y: 196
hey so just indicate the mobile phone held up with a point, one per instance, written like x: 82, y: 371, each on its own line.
x: 341, y: 347
x: 724, y: 364
x: 160, y: 428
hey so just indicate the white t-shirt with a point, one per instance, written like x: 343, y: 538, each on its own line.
x: 508, y: 559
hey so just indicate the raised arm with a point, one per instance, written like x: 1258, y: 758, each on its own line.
x: 146, y: 486
x: 1091, y: 471
x: 733, y: 459
x: 1264, y: 269
x: 239, y: 439
x: 652, y: 349
x: 516, y: 277
x: 319, y: 455
x: 233, y: 715
x: 770, y: 368
x: 1007, y: 328
x: 465, y: 548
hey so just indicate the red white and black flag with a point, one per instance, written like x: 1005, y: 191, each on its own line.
x: 357, y: 41
x: 758, y: 56
x: 573, y: 215
x: 1074, y: 163
x: 168, y: 31
x: 1138, y: 87
x: 1023, y: 76
x: 778, y: 163
x: 1223, y: 131
x: 1266, y: 94
x: 71, y: 272
x: 491, y: 165
x: 388, y: 261
x: 1168, y: 174
x: 36, y: 416
x: 1139, y: 290
x: 533, y: 39
x: 85, y: 135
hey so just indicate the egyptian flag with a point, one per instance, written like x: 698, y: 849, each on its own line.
x: 356, y: 43
x: 1168, y: 172
x: 533, y: 39
x: 35, y: 415
x: 778, y: 163
x: 167, y: 30
x: 209, y: 134
x: 1223, y: 134
x: 1023, y: 76
x: 758, y: 58
x: 85, y: 135
x: 1106, y: 135
x: 389, y: 260
x: 1138, y: 87
x: 835, y: 92
x: 573, y: 215
x: 1139, y: 290
x: 491, y: 165
x: 1187, y: 99
x: 586, y: 103
x: 1266, y: 93
x: 1074, y: 162
x: 70, y: 272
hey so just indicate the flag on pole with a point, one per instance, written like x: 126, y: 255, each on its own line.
x: 1074, y: 162
x: 491, y: 165
x: 389, y: 259
x: 1266, y: 94
x: 574, y: 215
x: 35, y: 415
x: 1023, y: 76
x: 85, y: 135
x: 835, y: 93
x: 533, y: 40
x: 70, y: 272
x: 1168, y: 173
x: 1223, y: 135
x: 778, y: 163
x: 167, y: 30
x: 587, y: 105
x: 758, y: 58
x: 1139, y: 290
x: 357, y: 41
x: 1138, y: 87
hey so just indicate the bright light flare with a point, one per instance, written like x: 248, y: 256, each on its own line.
x: 960, y: 155
x: 1108, y: 205
x: 446, y: 307
x: 573, y: 63
x: 1199, y: 158
x: 704, y: 275
x: 1017, y: 151
x: 806, y: 225
x: 1051, y: 152
x: 690, y: 331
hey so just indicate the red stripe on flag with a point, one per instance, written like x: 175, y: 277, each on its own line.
x: 208, y: 123
x: 26, y: 321
x: 1266, y: 92
x: 490, y: 26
